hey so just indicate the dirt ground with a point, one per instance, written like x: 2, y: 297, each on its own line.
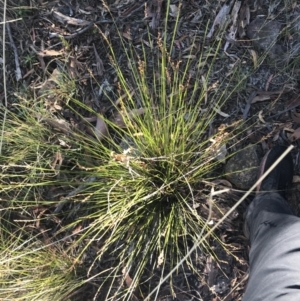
x: 34, y: 49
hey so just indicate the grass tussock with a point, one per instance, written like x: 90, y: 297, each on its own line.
x: 133, y: 189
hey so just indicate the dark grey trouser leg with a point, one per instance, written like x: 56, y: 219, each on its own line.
x: 275, y: 250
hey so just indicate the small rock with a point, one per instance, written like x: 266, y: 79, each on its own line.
x: 264, y: 34
x: 242, y: 169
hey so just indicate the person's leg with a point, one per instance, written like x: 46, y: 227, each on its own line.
x: 274, y: 233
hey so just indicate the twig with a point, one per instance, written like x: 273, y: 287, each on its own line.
x: 17, y: 62
x: 11, y: 21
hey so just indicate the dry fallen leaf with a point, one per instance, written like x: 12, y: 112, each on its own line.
x: 174, y: 10
x: 210, y: 270
x: 295, y: 102
x: 269, y: 81
x: 243, y: 19
x: 220, y: 19
x: 127, y: 278
x: 69, y: 20
x: 101, y: 129
x: 264, y: 95
x: 296, y: 179
x: 118, y: 118
x: 57, y: 161
x: 233, y: 28
x: 296, y: 135
x: 260, y: 116
x: 127, y: 33
x: 77, y: 229
x: 74, y: 66
x: 296, y: 117
x: 220, y: 153
x: 217, y: 109
x: 160, y: 259
x: 197, y: 17
x: 121, y: 157
x: 156, y: 14
x: 59, y: 124
x: 50, y: 83
x: 261, y: 97
x: 189, y: 56
x: 99, y: 63
x: 129, y: 281
x: 254, y: 58
x: 256, y: 96
x: 222, y: 182
x: 50, y: 52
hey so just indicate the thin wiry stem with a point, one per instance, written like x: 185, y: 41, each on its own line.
x: 11, y: 21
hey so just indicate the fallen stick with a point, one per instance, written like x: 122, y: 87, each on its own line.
x: 12, y: 43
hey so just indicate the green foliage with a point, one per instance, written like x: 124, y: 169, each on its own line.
x: 29, y: 59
